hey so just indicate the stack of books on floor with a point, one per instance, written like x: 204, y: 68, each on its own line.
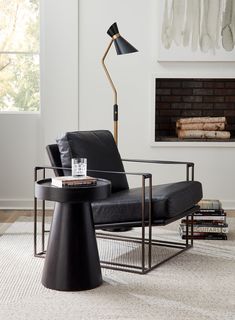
x: 209, y: 222
x: 70, y: 181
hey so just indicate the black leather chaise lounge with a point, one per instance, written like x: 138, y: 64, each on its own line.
x: 142, y: 207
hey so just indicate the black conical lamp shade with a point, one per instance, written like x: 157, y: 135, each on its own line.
x: 113, y: 30
x: 122, y: 46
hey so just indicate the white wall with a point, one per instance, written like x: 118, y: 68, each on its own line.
x: 134, y: 75
x: 23, y: 137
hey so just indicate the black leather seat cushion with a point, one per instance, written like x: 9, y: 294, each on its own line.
x: 101, y: 152
x: 169, y: 200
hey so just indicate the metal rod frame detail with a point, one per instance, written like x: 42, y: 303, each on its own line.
x: 143, y: 241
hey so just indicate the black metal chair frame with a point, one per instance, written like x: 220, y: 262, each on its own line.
x: 143, y: 240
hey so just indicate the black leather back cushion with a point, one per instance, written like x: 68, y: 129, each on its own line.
x: 54, y: 156
x: 101, y: 152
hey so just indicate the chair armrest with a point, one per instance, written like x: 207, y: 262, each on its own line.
x: 146, y: 175
x: 190, y: 164
x: 187, y: 164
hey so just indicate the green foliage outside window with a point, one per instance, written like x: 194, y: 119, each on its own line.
x: 19, y: 55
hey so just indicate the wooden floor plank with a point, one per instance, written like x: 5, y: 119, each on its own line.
x: 10, y: 216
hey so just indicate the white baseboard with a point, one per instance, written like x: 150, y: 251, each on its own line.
x: 228, y: 204
x: 21, y: 204
x: 27, y: 204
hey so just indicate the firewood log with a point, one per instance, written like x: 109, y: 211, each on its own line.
x: 209, y: 126
x: 202, y: 134
x: 201, y: 120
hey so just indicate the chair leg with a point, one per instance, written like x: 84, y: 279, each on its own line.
x: 37, y: 253
x: 143, y: 226
x: 187, y: 235
x: 192, y: 228
x: 35, y: 227
x: 43, y: 225
x: 150, y: 224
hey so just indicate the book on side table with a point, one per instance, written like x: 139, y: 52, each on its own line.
x: 70, y: 181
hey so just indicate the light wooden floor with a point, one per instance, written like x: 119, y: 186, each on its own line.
x: 9, y: 216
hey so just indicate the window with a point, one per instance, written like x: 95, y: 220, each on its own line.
x: 19, y: 55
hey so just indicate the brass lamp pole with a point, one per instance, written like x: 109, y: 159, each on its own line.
x: 122, y: 47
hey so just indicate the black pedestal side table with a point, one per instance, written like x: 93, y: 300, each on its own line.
x: 72, y: 260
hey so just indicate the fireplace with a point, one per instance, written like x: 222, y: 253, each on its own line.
x: 185, y: 98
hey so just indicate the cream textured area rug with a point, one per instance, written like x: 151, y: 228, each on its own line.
x: 198, y: 284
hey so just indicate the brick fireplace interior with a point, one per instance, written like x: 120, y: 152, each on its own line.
x: 184, y: 98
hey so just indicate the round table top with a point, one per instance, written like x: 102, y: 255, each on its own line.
x: 44, y: 190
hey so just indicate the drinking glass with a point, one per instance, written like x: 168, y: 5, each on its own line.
x: 79, y: 167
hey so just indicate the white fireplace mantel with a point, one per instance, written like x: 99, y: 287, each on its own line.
x: 192, y: 144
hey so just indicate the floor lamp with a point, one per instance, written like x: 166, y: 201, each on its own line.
x: 122, y: 47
